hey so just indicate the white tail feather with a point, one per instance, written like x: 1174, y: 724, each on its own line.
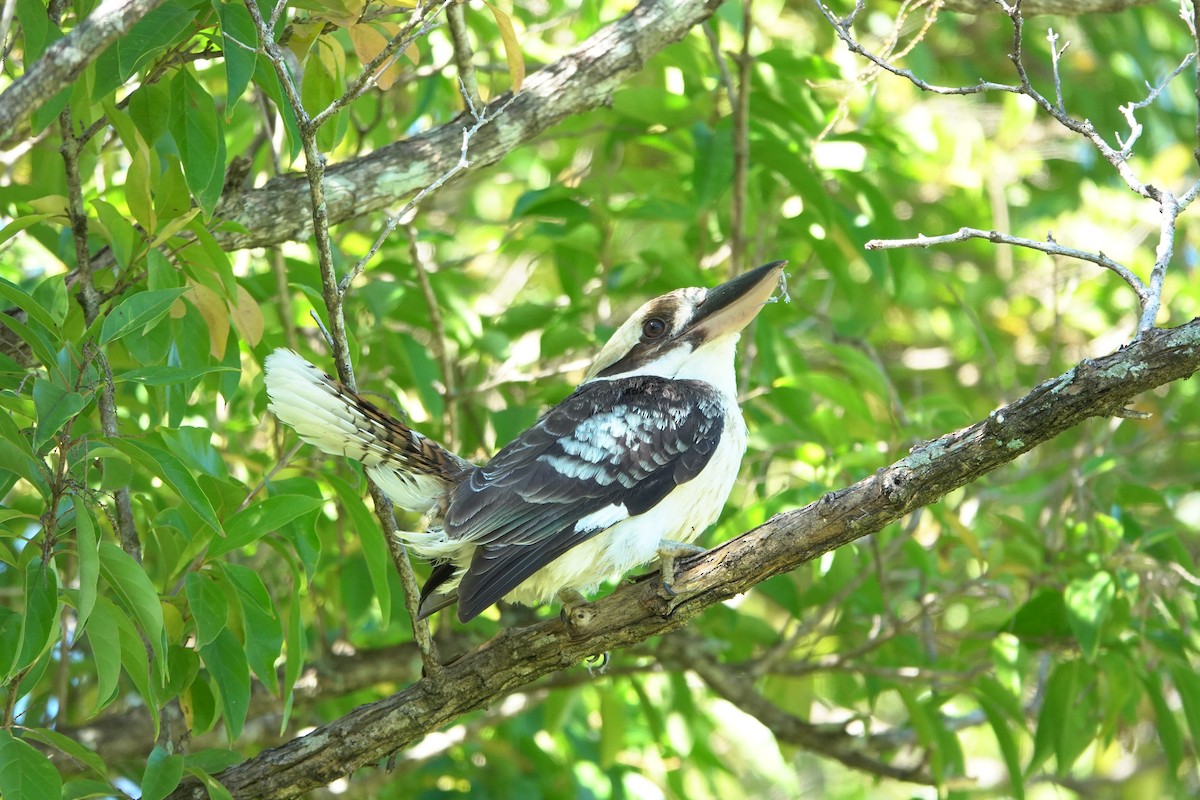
x: 412, y: 470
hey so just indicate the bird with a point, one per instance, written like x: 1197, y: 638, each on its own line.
x: 631, y: 467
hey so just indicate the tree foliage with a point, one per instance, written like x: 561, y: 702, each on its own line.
x: 186, y: 588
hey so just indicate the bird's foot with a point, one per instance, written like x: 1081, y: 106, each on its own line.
x: 668, y: 551
x: 575, y: 608
x: 597, y: 663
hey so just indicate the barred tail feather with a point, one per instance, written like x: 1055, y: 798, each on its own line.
x: 414, y: 471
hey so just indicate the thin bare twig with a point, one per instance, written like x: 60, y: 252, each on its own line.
x: 1049, y: 246
x: 714, y: 44
x: 741, y: 147
x: 1162, y: 258
x: 1149, y: 295
x: 127, y: 532
x: 425, y: 20
x: 1056, y: 55
x: 315, y: 171
x: 481, y: 119
x: 441, y: 350
x: 463, y: 53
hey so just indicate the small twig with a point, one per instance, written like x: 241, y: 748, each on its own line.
x: 1082, y: 127
x: 424, y: 22
x: 1135, y: 127
x: 90, y: 299
x: 315, y: 172
x: 1192, y: 20
x: 1162, y: 258
x: 1056, y: 54
x: 842, y: 28
x: 441, y: 351
x: 714, y: 44
x: 481, y: 119
x: 276, y: 12
x: 463, y: 53
x: 741, y: 147
x: 1189, y: 196
x: 6, y: 16
x: 1049, y: 246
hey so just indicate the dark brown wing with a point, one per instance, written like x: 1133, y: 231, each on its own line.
x: 611, y: 450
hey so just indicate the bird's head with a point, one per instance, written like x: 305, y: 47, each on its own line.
x: 669, y: 331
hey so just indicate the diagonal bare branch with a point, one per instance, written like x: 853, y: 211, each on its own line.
x: 1094, y: 388
x: 582, y: 80
x: 67, y: 58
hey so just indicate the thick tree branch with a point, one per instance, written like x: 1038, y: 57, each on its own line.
x: 635, y: 612
x: 577, y: 82
x: 66, y: 59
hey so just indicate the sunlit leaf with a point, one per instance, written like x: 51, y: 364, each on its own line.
x: 512, y: 47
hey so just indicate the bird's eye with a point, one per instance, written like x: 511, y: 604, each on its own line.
x: 653, y: 328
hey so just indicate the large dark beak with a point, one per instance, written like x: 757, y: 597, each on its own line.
x: 729, y: 307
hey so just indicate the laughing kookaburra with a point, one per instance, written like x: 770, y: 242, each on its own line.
x: 634, y: 465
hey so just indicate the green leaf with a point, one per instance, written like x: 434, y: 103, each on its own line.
x: 227, y: 666
x: 263, y: 630
x: 104, y: 635
x: 43, y: 347
x: 1059, y: 702
x: 216, y: 790
x: 163, y: 773
x: 51, y: 296
x: 65, y: 744
x: 712, y: 172
x: 121, y: 234
x: 426, y: 375
x: 35, y: 309
x: 200, y: 138
x: 1088, y: 602
x: 240, y: 49
x: 36, y: 28
x: 1187, y: 684
x: 15, y: 458
x: 995, y: 709
x: 129, y: 581
x: 87, y: 550
x: 138, y: 312
x: 41, y: 613
x: 212, y: 759
x: 1043, y: 616
x: 86, y: 789
x: 1168, y: 730
x: 252, y: 523
x: 150, y: 35
x: 167, y: 376
x: 208, y: 605
x: 612, y: 725
x: 136, y: 664
x: 24, y: 772
x: 375, y: 550
x: 168, y: 467
x: 55, y: 405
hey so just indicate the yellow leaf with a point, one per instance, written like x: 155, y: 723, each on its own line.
x: 247, y: 317
x: 344, y: 13
x: 512, y: 47
x: 303, y: 36
x: 173, y: 227
x: 216, y: 316
x: 369, y: 42
x: 55, y: 204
